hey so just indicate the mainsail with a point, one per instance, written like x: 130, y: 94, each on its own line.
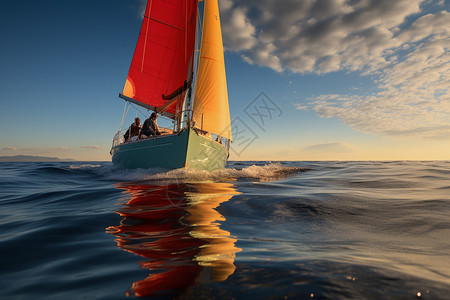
x: 210, y: 110
x: 161, y: 68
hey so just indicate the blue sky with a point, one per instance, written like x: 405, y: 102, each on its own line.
x: 350, y: 79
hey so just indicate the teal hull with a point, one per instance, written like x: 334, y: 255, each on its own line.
x: 186, y: 149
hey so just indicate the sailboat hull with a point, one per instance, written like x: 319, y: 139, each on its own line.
x: 186, y: 149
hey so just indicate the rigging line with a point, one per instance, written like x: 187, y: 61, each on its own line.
x: 125, y: 112
x: 145, y: 42
x: 138, y: 110
x: 162, y: 22
x: 197, y: 44
x: 137, y: 107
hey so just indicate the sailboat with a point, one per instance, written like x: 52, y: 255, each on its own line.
x: 169, y: 75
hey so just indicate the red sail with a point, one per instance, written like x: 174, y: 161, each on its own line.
x: 164, y: 52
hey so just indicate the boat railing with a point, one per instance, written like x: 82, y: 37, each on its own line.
x: 185, y: 122
x: 166, y: 130
x: 119, y: 139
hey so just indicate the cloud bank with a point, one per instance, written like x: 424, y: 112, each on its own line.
x: 403, y: 45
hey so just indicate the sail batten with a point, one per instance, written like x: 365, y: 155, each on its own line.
x: 163, y: 54
x: 163, y: 23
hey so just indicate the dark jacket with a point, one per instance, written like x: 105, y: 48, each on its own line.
x: 150, y: 127
x: 133, y: 130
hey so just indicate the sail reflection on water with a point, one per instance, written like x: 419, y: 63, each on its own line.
x: 176, y: 228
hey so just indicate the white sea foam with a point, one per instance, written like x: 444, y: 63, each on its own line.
x: 269, y: 171
x: 84, y: 166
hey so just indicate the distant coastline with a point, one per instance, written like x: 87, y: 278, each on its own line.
x: 29, y: 158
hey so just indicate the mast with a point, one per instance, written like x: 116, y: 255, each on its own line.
x: 195, y: 55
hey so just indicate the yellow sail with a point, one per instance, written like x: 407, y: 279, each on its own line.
x: 211, y: 111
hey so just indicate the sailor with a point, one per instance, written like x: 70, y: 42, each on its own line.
x: 150, y: 127
x: 133, y: 130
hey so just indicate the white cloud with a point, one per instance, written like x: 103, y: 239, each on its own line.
x: 437, y: 132
x: 92, y: 147
x: 239, y: 34
x: 263, y: 56
x: 59, y: 148
x: 426, y: 26
x: 414, y: 92
x: 300, y: 106
x: 314, y: 35
x: 141, y: 6
x: 9, y: 148
x: 402, y: 47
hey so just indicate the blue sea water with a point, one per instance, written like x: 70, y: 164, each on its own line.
x: 255, y: 230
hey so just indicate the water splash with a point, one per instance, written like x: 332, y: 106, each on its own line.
x: 84, y: 166
x: 267, y: 172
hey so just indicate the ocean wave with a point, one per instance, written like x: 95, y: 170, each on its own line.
x: 341, y: 230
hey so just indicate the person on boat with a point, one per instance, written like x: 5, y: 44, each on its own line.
x: 133, y: 130
x: 150, y: 127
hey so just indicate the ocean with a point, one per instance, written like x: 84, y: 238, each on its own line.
x: 255, y: 230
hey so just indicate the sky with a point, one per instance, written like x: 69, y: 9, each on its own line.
x: 307, y: 80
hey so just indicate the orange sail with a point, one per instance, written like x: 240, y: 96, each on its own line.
x: 211, y: 112
x: 162, y: 61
